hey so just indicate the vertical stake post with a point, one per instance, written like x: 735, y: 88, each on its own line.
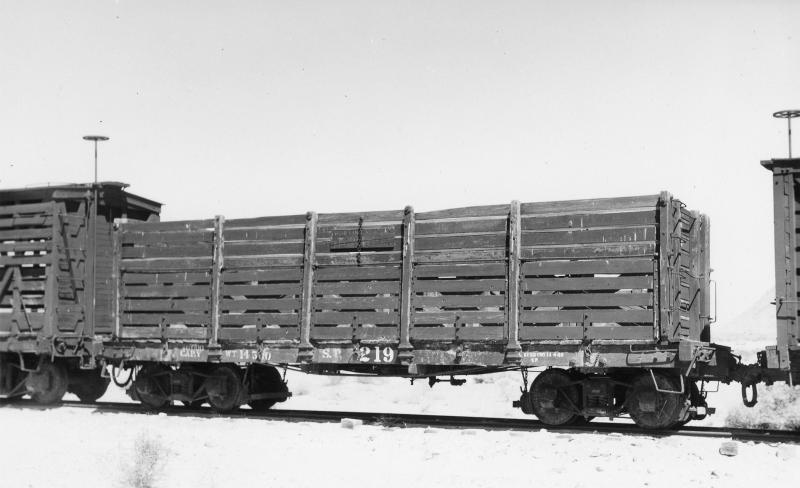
x: 92, y: 232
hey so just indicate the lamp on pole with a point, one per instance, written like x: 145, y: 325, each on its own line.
x: 788, y: 115
x: 95, y: 139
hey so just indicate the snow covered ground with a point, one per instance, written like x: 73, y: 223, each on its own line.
x: 66, y: 447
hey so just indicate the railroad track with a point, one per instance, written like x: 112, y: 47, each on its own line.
x: 416, y: 420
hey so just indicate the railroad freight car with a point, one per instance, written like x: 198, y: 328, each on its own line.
x: 56, y: 285
x: 608, y: 299
x: 611, y: 295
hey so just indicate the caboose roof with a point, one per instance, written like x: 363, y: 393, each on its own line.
x: 111, y: 193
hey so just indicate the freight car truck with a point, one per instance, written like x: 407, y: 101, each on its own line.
x: 607, y: 300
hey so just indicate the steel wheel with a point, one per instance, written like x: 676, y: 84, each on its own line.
x: 151, y: 385
x: 555, y: 397
x: 48, y: 383
x: 652, y: 409
x: 88, y: 386
x: 224, y: 388
x: 265, y: 379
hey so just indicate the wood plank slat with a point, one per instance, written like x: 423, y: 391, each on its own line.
x: 166, y: 264
x: 275, y: 260
x: 550, y: 333
x: 167, y: 251
x: 358, y: 259
x: 594, y: 316
x: 250, y: 248
x: 24, y: 234
x: 22, y: 260
x: 591, y: 283
x: 253, y: 304
x: 590, y: 236
x: 461, y: 270
x: 27, y: 208
x: 32, y: 246
x: 449, y: 334
x: 357, y: 287
x: 298, y: 221
x: 590, y: 205
x: 165, y: 305
x: 464, y: 212
x: 34, y: 221
x: 356, y: 317
x: 467, y: 317
x: 621, y: 333
x: 271, y: 318
x: 275, y: 234
x: 587, y: 300
x: 354, y: 217
x: 589, y: 266
x: 460, y: 301
x: 149, y: 238
x: 166, y: 278
x: 456, y: 255
x: 264, y: 289
x: 168, y: 226
x: 349, y: 303
x: 459, y: 285
x: 187, y: 332
x: 595, y: 251
x: 129, y: 318
x: 469, y: 241
x: 141, y: 332
x: 471, y: 226
x: 268, y: 274
x: 589, y: 220
x: 359, y: 273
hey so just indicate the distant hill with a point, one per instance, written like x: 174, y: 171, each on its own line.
x: 755, y: 324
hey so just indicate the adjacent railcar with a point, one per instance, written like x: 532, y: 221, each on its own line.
x: 56, y: 292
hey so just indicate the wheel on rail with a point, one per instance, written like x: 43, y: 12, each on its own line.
x: 653, y: 409
x: 193, y: 403
x: 265, y: 379
x: 151, y: 386
x: 88, y: 385
x: 555, y: 397
x: 48, y: 384
x: 224, y: 387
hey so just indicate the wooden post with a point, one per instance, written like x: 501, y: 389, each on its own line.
x: 513, y: 348
x: 309, y: 256
x: 405, y: 350
x: 785, y: 205
x: 51, y: 287
x: 116, y: 279
x: 663, y: 323
x: 90, y: 285
x: 216, y: 278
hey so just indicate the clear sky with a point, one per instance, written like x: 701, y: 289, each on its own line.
x: 255, y: 108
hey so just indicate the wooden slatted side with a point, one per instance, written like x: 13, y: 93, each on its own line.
x: 261, y: 304
x: 687, y: 288
x: 459, y: 301
x: 26, y: 261
x: 356, y: 302
x: 71, y: 238
x: 589, y: 270
x: 261, y: 281
x: 472, y: 234
x: 165, y: 279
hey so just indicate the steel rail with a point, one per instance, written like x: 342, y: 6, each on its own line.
x: 419, y: 420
